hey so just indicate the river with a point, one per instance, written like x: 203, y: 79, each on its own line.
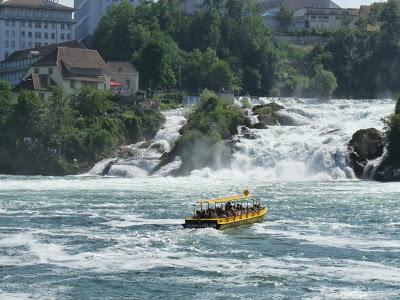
x: 327, y: 235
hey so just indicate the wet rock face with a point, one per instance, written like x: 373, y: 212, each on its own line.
x: 365, y: 145
x: 267, y: 113
x: 387, y: 172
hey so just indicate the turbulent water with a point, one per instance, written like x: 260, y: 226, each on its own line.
x: 327, y: 236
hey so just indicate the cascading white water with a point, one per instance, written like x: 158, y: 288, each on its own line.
x: 314, y: 149
x: 146, y: 154
x: 317, y: 148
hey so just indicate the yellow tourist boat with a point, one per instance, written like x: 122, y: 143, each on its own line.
x: 227, y: 212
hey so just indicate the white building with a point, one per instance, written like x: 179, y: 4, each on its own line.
x: 88, y: 14
x: 28, y: 24
x: 325, y: 18
x: 15, y: 66
x: 69, y: 68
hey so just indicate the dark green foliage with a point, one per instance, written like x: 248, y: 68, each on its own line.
x: 216, y: 48
x: 285, y: 18
x: 202, y: 141
x: 323, y: 83
x: 66, y: 135
x: 393, y: 134
x: 366, y: 65
x: 5, y: 101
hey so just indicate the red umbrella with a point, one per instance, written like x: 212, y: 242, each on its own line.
x: 115, y: 84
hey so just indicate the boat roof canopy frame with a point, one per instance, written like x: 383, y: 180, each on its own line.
x: 239, y: 198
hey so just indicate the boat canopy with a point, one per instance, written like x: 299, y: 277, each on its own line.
x: 240, y: 198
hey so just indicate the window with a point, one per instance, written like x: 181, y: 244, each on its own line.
x: 13, y: 33
x: 92, y: 85
x: 38, y: 25
x: 72, y: 84
x: 30, y: 24
x: 62, y: 26
x: 6, y: 44
x: 50, y: 71
x: 23, y: 24
x: 7, y: 33
x: 53, y: 25
x: 69, y: 26
x: 12, y: 23
x: 62, y: 36
x: 38, y: 35
x: 36, y: 71
x: 29, y: 34
x: 46, y: 35
x: 23, y: 33
x: 53, y: 36
x: 46, y: 25
x: 13, y: 44
x: 68, y: 36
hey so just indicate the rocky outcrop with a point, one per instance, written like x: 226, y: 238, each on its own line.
x: 365, y: 145
x: 267, y: 113
x: 273, y: 114
x: 387, y: 171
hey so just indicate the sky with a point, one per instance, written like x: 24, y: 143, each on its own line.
x: 342, y: 3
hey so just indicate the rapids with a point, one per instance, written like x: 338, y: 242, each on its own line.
x: 315, y: 148
x: 326, y: 236
x: 121, y: 238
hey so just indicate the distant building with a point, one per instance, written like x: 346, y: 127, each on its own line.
x: 88, y: 15
x: 27, y: 24
x: 293, y: 5
x: 124, y: 79
x: 271, y: 10
x: 15, y: 66
x: 70, y: 68
x: 325, y: 18
x: 191, y: 6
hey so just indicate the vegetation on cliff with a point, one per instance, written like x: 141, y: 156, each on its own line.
x: 224, y: 46
x: 203, y: 139
x: 65, y: 135
x: 393, y: 134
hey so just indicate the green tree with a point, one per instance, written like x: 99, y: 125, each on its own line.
x: 5, y: 101
x: 29, y: 116
x: 157, y: 62
x: 390, y: 19
x: 285, y: 18
x: 112, y: 36
x: 91, y: 103
x: 323, y: 83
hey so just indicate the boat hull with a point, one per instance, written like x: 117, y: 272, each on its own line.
x: 226, y: 223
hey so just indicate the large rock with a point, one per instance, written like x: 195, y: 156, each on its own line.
x: 387, y: 172
x: 267, y: 113
x: 365, y: 145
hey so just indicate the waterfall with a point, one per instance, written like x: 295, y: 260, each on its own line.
x: 313, y: 146
x: 316, y: 148
x: 145, y: 155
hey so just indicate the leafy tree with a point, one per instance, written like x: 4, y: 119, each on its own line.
x: 5, y: 101
x: 285, y: 18
x: 114, y: 29
x: 323, y: 83
x: 157, y: 62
